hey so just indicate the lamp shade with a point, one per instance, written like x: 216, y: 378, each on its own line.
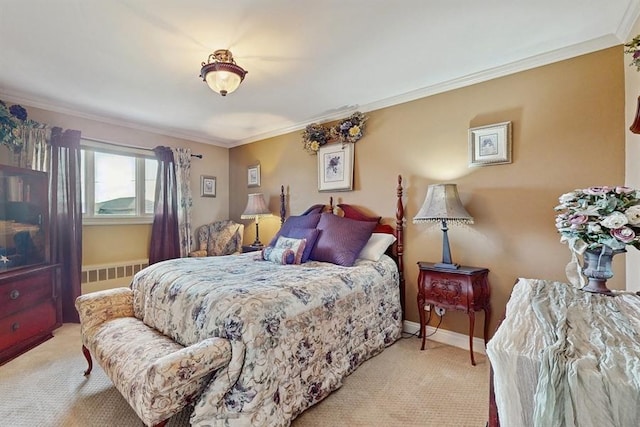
x: 221, y: 72
x: 443, y: 202
x: 256, y: 207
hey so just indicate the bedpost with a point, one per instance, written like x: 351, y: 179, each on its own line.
x: 283, y: 208
x: 400, y: 242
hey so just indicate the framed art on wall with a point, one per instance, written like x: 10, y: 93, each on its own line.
x: 253, y: 176
x: 335, y: 167
x: 490, y: 145
x: 207, y: 186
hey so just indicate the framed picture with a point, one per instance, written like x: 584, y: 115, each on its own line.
x: 207, y: 186
x: 335, y: 167
x: 253, y: 176
x: 490, y: 145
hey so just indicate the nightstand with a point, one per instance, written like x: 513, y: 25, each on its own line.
x: 250, y: 248
x: 464, y: 289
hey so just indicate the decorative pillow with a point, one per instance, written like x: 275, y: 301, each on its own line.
x: 376, y: 246
x: 302, y: 221
x: 353, y: 213
x: 278, y: 255
x: 384, y: 228
x: 315, y: 209
x: 341, y: 239
x: 295, y: 245
x: 309, y: 234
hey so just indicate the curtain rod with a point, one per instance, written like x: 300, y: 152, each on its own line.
x: 129, y: 146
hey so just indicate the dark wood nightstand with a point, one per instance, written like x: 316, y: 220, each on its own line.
x: 250, y: 248
x: 464, y: 289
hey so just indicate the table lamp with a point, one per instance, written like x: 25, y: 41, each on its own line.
x: 443, y: 204
x: 256, y: 208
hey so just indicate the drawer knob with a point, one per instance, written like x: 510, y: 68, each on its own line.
x: 14, y: 294
x: 15, y: 327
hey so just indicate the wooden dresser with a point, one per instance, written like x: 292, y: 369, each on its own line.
x: 30, y: 306
x: 29, y: 309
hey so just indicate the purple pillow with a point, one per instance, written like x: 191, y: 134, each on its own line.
x: 302, y: 221
x: 341, y: 239
x: 310, y: 234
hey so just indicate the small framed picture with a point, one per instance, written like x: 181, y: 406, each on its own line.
x: 253, y: 176
x: 207, y: 186
x: 335, y: 167
x: 490, y: 145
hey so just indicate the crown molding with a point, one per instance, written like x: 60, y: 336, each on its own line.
x: 628, y: 21
x: 501, y: 71
x: 532, y: 62
x: 21, y: 99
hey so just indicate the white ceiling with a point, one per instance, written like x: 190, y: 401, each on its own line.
x: 137, y: 62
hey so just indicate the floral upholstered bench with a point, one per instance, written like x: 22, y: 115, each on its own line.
x: 157, y: 376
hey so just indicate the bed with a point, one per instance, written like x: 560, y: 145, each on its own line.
x: 295, y: 330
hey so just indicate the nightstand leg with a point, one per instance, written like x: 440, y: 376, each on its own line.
x: 487, y: 315
x: 420, y: 300
x: 424, y: 325
x: 472, y: 322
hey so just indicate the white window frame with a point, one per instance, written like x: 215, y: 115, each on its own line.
x: 89, y: 217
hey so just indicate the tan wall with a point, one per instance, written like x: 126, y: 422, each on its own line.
x: 568, y: 133
x: 114, y: 243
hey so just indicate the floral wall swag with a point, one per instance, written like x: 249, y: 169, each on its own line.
x: 348, y: 130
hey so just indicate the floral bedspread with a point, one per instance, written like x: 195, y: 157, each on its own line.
x: 295, y: 330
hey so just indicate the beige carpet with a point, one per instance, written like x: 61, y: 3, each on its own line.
x: 402, y: 386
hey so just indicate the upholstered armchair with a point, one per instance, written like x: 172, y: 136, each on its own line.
x: 219, y: 238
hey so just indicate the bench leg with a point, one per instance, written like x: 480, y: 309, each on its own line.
x: 87, y: 356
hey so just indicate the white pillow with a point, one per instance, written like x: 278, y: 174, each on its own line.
x: 376, y: 246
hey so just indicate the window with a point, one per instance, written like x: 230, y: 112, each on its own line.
x: 118, y: 183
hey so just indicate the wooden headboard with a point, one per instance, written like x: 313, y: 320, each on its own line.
x: 396, y: 251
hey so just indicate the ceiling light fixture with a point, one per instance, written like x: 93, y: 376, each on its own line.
x: 221, y: 72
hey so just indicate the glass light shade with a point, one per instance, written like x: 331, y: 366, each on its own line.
x: 221, y: 72
x: 223, y: 82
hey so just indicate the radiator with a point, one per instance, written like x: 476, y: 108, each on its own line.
x: 107, y: 276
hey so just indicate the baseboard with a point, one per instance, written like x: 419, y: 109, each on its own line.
x: 446, y: 337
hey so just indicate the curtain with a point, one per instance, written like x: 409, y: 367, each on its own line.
x: 66, y: 216
x: 165, y: 240
x: 182, y: 158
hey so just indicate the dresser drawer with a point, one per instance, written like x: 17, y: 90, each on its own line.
x: 449, y: 293
x: 34, y: 322
x: 18, y: 295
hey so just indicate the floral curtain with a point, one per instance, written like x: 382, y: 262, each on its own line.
x: 165, y: 239
x: 66, y: 215
x: 182, y: 164
x: 36, y: 152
